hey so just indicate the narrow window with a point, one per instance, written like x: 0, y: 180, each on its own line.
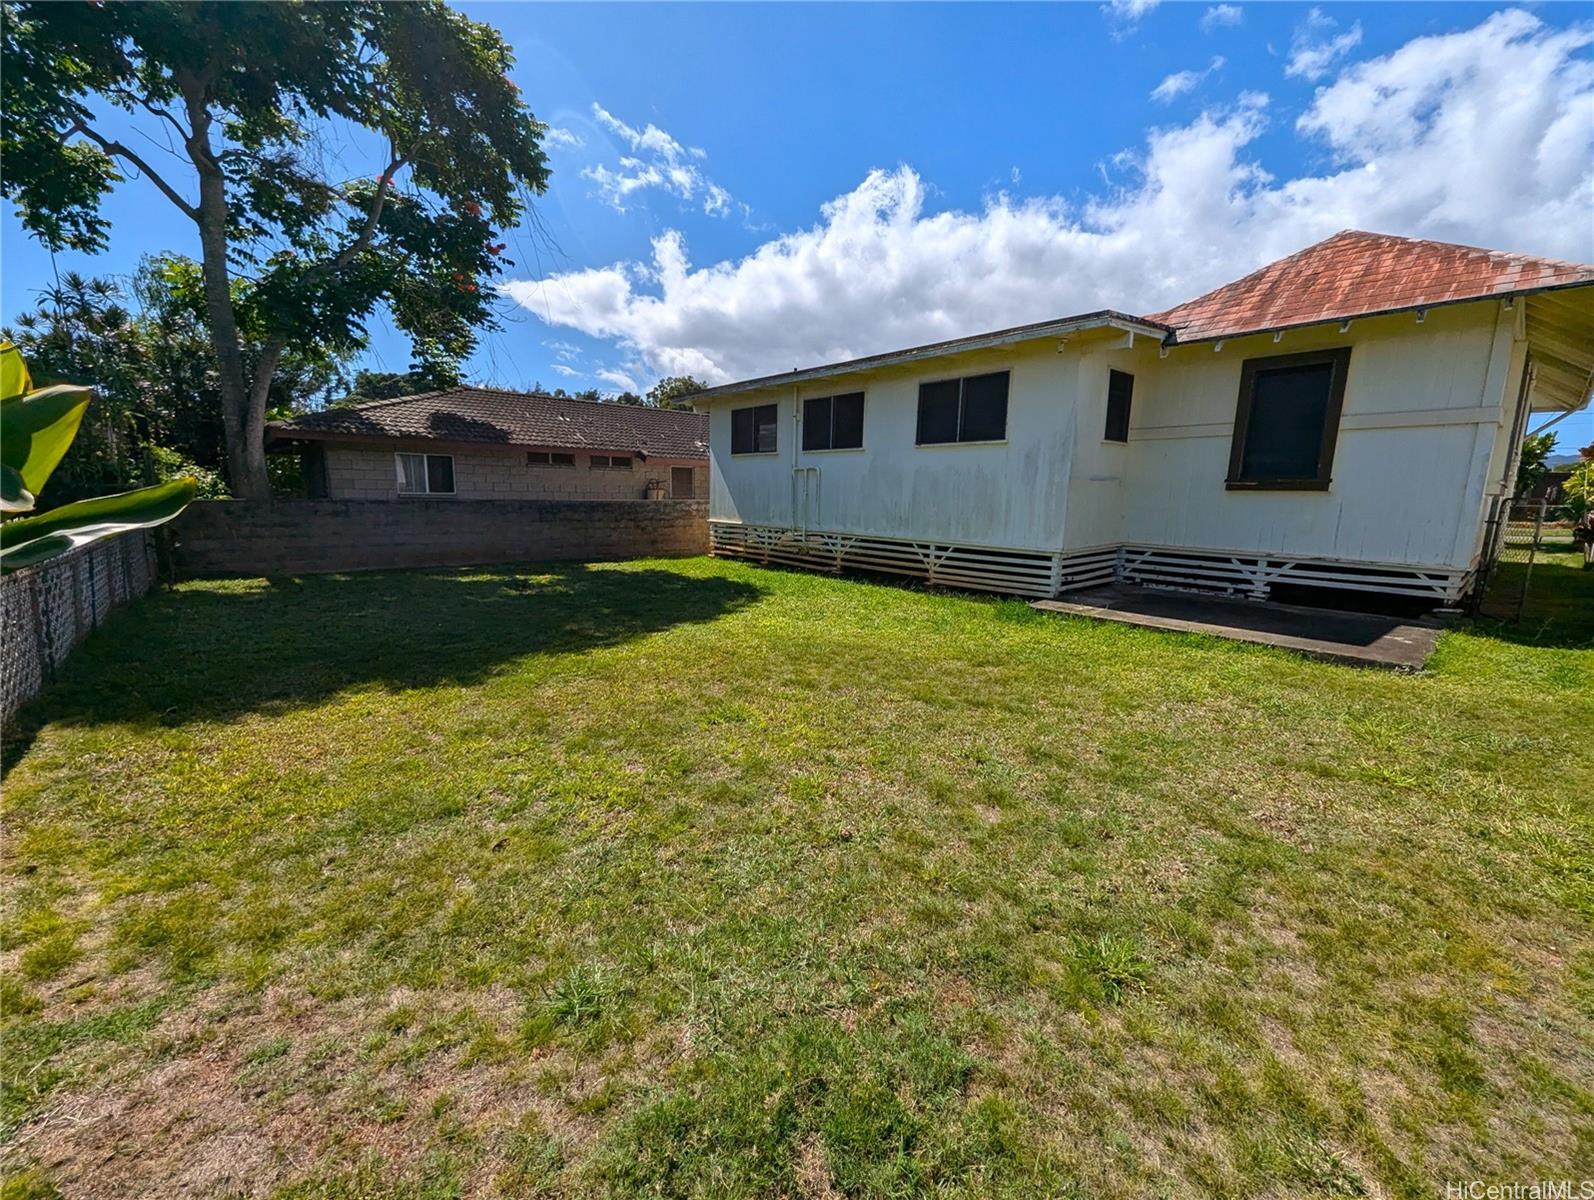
x: 425, y: 474
x: 833, y: 422
x: 598, y: 462
x: 562, y: 460
x: 973, y: 409
x: 753, y: 429
x: 620, y: 463
x: 538, y: 458
x: 1120, y: 391
x: 683, y: 485
x: 1287, y: 421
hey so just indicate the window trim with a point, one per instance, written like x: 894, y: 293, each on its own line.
x: 1129, y: 408
x: 1339, y: 358
x: 551, y: 456
x: 775, y: 449
x: 961, y: 380
x: 833, y: 397
x: 425, y: 456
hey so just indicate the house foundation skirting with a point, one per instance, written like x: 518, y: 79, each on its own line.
x: 1038, y: 573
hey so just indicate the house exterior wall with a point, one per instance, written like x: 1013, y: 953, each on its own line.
x: 1424, y: 442
x: 1007, y: 494
x: 1422, y: 436
x: 357, y: 472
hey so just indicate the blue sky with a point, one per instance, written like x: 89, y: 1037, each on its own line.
x: 742, y: 188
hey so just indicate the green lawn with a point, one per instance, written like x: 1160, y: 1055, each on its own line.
x: 689, y: 878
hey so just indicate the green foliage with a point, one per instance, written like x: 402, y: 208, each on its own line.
x: 144, y: 346
x: 674, y: 391
x: 36, y: 428
x: 1531, y: 468
x: 390, y: 385
x: 254, y: 91
x: 1577, y: 494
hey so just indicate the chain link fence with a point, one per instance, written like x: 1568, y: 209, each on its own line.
x: 47, y: 610
x: 1516, y: 534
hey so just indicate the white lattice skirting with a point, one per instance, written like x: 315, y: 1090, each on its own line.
x: 1037, y: 573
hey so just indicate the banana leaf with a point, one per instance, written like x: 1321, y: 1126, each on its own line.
x: 26, y: 541
x: 37, y: 428
x: 14, y: 495
x: 14, y: 380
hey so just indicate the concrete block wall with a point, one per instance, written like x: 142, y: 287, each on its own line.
x: 239, y: 537
x: 490, y: 473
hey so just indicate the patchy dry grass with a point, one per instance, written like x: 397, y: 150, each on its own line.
x: 688, y: 878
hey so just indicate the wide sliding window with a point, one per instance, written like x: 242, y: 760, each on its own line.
x: 753, y: 429
x: 1288, y: 420
x: 833, y: 422
x: 973, y: 409
x: 549, y: 458
x: 611, y: 462
x: 1120, y: 391
x: 425, y: 474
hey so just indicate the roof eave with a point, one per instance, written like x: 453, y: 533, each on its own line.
x: 985, y: 341
x: 1233, y: 335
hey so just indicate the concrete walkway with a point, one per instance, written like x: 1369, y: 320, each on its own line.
x: 1357, y: 639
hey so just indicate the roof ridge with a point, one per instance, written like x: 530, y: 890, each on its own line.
x: 643, y: 407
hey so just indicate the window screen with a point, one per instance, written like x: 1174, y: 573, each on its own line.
x: 1288, y: 420
x: 753, y: 429
x: 440, y: 473
x: 938, y: 411
x: 963, y: 410
x: 1120, y: 391
x: 833, y: 422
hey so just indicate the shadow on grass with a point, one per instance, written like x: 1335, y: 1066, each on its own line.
x: 1558, y: 608
x: 218, y: 652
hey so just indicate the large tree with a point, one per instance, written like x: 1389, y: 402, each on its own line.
x: 251, y: 99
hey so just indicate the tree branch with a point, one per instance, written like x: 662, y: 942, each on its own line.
x: 372, y: 217
x: 118, y: 150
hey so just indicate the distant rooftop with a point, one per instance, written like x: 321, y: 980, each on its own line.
x: 493, y: 415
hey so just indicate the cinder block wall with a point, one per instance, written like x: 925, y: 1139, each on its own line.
x: 238, y: 537
x: 362, y: 473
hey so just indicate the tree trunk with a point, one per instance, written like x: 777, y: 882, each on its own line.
x: 246, y: 457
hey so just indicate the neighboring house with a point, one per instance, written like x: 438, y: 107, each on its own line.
x: 487, y: 444
x: 1344, y: 418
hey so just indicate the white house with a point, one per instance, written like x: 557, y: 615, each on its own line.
x: 1347, y: 417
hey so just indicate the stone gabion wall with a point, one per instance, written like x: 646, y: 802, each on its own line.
x: 290, y: 537
x: 47, y: 610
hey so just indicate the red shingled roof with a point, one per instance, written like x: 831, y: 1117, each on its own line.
x: 472, y: 414
x: 1355, y: 274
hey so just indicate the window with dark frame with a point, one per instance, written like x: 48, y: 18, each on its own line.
x: 1120, y: 393
x: 971, y: 409
x: 753, y: 429
x: 610, y: 462
x: 425, y: 474
x: 1287, y: 421
x: 549, y: 458
x: 833, y: 422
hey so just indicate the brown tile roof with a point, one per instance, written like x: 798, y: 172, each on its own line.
x: 1357, y: 274
x: 473, y: 414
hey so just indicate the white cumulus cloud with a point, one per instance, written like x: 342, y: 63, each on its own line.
x: 656, y: 160
x: 565, y: 139
x: 1481, y: 136
x: 1316, y: 47
x: 1219, y: 15
x: 1123, y: 16
x: 1181, y: 82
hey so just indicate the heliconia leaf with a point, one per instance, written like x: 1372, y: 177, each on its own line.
x: 14, y: 495
x: 27, y: 541
x: 36, y: 429
x: 14, y: 379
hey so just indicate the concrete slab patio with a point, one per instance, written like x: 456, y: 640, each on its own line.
x: 1353, y: 638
